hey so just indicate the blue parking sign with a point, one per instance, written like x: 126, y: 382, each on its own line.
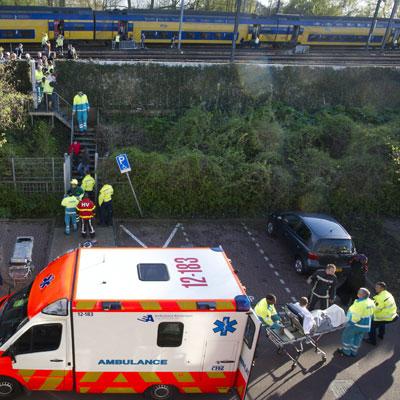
x: 123, y: 163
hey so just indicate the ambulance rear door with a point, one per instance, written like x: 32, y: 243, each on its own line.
x: 250, y: 340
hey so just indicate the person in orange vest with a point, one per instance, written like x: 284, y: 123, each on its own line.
x: 86, y: 214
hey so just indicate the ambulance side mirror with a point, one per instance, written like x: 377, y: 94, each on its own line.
x: 10, y: 353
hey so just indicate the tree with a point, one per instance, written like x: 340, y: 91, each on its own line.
x: 12, y: 102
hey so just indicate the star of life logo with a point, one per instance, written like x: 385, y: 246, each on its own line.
x: 225, y: 326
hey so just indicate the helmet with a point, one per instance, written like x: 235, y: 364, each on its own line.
x: 74, y: 182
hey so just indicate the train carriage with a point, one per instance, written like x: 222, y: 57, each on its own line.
x: 27, y: 24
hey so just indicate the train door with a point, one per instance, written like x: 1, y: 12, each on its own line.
x: 295, y: 34
x: 58, y: 27
x: 395, y: 37
x: 256, y: 31
x: 123, y: 29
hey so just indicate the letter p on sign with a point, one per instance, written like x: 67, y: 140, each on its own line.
x: 123, y: 163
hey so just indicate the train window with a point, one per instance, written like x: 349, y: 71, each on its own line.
x: 204, y: 36
x: 78, y: 27
x: 218, y: 35
x: 17, y: 34
x: 190, y: 35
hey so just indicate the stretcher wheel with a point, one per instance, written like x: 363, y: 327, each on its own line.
x: 294, y: 365
x: 323, y: 358
x: 280, y: 351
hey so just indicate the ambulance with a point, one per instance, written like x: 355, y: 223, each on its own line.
x: 130, y: 320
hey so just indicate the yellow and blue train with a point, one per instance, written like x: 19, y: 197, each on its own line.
x: 27, y: 24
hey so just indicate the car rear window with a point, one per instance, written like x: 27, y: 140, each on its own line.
x: 334, y: 246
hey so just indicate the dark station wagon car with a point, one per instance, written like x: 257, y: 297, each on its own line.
x: 315, y: 240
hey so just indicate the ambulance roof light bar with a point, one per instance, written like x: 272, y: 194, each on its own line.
x: 242, y: 303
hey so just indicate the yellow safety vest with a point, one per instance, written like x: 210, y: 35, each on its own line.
x: 60, y: 41
x: 386, y: 309
x: 105, y: 194
x: 47, y: 88
x: 361, y: 312
x: 117, y: 39
x: 38, y: 75
x: 265, y: 311
x: 88, y: 183
x: 45, y: 39
x: 69, y: 202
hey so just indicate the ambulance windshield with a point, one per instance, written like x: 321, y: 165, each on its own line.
x: 13, y: 314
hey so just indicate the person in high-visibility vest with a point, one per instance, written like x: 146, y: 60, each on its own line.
x: 81, y: 108
x: 266, y: 312
x: 359, y: 322
x: 117, y: 40
x: 88, y: 183
x: 105, y: 203
x: 385, y: 312
x: 86, y: 209
x: 60, y: 44
x: 48, y: 90
x: 70, y: 202
x: 38, y: 79
x: 45, y: 39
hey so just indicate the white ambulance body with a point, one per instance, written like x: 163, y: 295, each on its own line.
x: 129, y: 320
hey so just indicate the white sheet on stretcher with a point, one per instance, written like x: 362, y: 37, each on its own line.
x: 334, y: 314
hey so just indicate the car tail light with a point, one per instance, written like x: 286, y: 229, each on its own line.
x: 312, y: 256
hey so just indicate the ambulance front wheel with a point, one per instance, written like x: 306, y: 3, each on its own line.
x: 9, y: 388
x: 160, y: 392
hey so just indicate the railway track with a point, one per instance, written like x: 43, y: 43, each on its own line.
x: 359, y: 58
x: 206, y: 54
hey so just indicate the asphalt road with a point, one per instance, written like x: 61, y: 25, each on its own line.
x: 264, y: 265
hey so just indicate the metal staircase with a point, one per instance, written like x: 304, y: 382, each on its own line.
x: 61, y: 110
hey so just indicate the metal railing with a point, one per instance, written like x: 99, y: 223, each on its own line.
x: 33, y: 175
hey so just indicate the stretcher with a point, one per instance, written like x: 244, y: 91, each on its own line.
x: 292, y: 336
x: 21, y: 268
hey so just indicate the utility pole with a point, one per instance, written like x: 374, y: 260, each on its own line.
x: 180, y: 25
x: 373, y: 23
x: 235, y: 29
x: 129, y: 4
x: 390, y: 24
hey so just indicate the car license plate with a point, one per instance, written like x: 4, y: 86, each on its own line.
x: 339, y: 269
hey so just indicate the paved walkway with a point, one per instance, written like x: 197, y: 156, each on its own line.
x: 61, y: 243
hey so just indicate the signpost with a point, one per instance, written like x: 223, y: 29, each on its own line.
x: 125, y: 168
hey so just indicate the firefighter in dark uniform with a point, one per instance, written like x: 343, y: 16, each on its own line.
x: 323, y: 287
x: 356, y: 277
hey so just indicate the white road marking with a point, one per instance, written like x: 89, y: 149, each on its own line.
x: 261, y: 251
x: 257, y: 244
x: 288, y: 290
x: 266, y: 258
x: 276, y: 273
x: 282, y: 281
x: 253, y: 239
x: 129, y: 233
x: 171, y: 236
x: 271, y: 265
x: 294, y: 299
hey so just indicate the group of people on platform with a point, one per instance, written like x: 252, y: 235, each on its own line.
x: 365, y: 315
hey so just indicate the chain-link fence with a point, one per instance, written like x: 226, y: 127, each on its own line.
x: 33, y: 175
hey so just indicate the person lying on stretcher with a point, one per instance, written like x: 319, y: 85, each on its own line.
x: 318, y: 320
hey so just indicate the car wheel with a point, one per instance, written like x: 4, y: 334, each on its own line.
x: 271, y: 228
x: 9, y: 388
x: 299, y: 266
x: 160, y: 392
